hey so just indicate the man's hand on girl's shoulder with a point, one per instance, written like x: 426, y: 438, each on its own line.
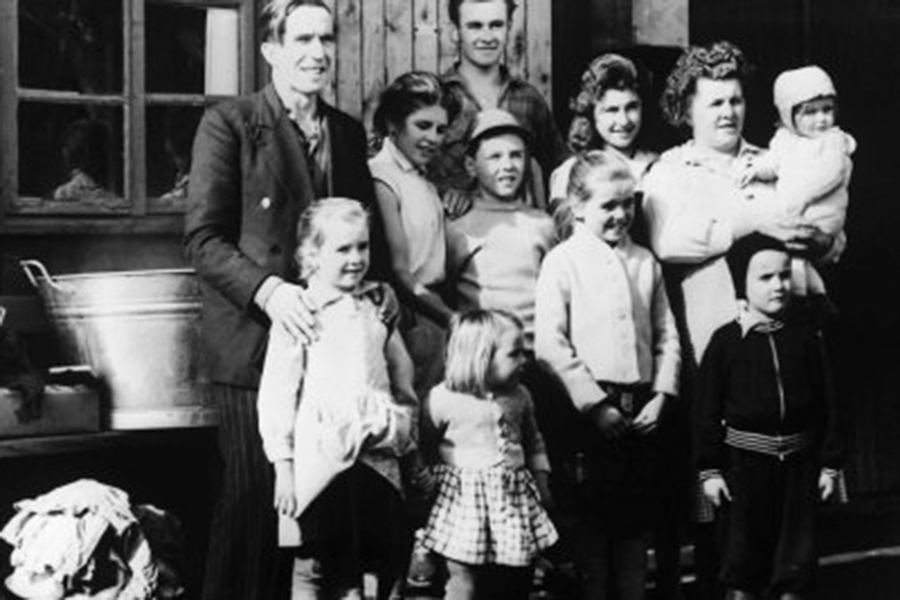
x: 289, y: 308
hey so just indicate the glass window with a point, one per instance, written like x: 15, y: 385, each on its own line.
x: 71, y: 153
x: 71, y: 45
x: 101, y: 100
x: 192, y: 50
x: 170, y: 136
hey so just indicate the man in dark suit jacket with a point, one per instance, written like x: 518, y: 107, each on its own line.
x: 258, y: 162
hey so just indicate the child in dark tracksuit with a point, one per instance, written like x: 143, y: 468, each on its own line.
x: 766, y: 436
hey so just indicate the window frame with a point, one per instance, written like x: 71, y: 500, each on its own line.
x: 141, y: 213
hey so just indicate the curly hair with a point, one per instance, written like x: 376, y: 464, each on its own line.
x: 407, y: 94
x: 721, y: 60
x: 606, y: 72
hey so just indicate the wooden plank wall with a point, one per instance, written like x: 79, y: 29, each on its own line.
x: 381, y: 39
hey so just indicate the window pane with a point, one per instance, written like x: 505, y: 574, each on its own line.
x: 71, y: 45
x: 170, y: 135
x: 192, y: 50
x: 70, y: 153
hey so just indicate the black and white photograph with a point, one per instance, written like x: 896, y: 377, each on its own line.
x: 449, y: 299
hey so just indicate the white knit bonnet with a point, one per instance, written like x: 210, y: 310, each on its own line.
x: 797, y: 86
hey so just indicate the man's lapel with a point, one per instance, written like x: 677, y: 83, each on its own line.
x: 339, y: 145
x: 280, y: 148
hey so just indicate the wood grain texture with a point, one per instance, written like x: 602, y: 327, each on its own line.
x: 374, y: 58
x: 539, y: 50
x: 426, y: 41
x: 517, y: 44
x: 378, y: 40
x: 349, y: 56
x: 398, y: 27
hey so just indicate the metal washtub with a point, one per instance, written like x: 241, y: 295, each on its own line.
x: 139, y: 331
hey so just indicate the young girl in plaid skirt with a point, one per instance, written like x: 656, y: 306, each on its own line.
x: 488, y: 520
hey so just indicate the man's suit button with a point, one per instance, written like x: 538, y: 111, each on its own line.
x: 275, y: 249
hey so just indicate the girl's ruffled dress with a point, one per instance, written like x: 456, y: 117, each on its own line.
x: 488, y: 509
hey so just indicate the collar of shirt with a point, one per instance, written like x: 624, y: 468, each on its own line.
x: 493, y: 205
x: 692, y: 154
x: 399, y: 158
x: 508, y: 82
x: 583, y: 236
x: 323, y: 296
x: 754, y: 321
x: 312, y: 140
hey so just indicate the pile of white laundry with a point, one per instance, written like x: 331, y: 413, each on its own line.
x: 82, y: 540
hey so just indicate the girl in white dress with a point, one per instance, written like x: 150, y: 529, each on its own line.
x: 336, y: 416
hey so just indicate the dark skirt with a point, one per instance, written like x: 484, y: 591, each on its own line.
x: 614, y: 487
x: 617, y: 481
x: 361, y: 513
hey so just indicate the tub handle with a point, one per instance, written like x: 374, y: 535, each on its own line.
x: 29, y: 265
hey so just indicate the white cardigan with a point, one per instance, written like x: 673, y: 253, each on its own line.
x: 602, y: 314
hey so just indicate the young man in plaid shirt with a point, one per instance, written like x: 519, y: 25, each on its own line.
x: 480, y: 81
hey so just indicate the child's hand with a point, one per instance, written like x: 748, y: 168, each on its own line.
x: 424, y: 480
x: 542, y: 479
x: 746, y: 174
x: 427, y: 482
x: 285, y: 499
x: 648, y: 419
x: 456, y: 203
x: 751, y: 168
x: 610, y: 420
x: 826, y: 484
x: 716, y: 490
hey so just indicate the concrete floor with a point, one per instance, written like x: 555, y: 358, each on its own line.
x: 859, y: 547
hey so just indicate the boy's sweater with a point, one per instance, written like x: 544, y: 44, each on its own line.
x: 494, y: 254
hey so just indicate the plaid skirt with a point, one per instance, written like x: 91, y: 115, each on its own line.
x: 488, y: 516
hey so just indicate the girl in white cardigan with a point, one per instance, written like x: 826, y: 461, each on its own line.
x: 604, y: 326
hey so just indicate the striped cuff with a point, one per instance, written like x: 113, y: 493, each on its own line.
x: 707, y: 474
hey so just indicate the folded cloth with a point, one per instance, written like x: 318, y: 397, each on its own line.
x: 58, y: 538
